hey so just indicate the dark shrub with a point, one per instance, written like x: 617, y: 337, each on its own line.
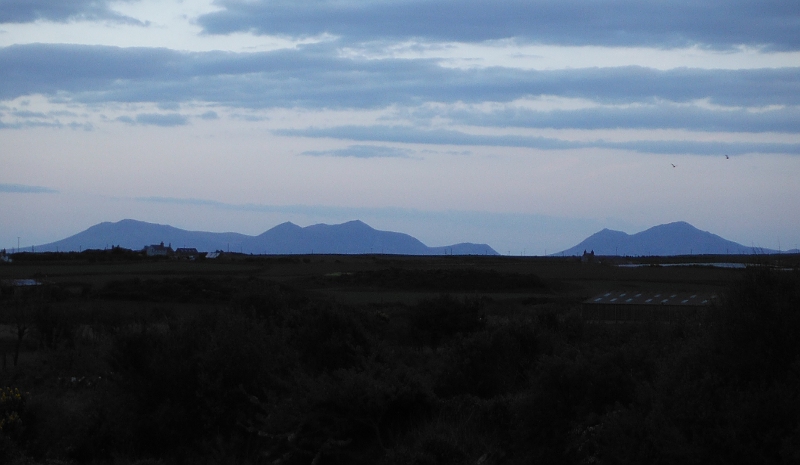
x: 189, y: 384
x: 757, y: 324
x: 327, y: 338
x: 435, y: 320
x: 487, y: 363
x: 55, y: 326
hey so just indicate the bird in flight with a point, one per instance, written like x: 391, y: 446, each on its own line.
x: 727, y: 157
x: 673, y: 165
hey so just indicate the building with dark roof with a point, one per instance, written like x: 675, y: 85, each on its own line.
x: 19, y: 286
x: 633, y: 306
x: 157, y: 250
x: 187, y: 253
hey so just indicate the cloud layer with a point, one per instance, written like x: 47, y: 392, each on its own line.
x: 662, y: 24
x: 28, y: 11
x: 406, y: 134
x: 23, y: 189
x: 320, y: 76
x: 314, y: 77
x: 362, y: 151
x: 156, y: 119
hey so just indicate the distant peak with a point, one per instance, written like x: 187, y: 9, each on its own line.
x: 348, y: 224
x: 356, y: 223
x: 125, y: 222
x: 287, y: 225
x: 606, y: 231
x: 675, y: 225
x: 129, y: 221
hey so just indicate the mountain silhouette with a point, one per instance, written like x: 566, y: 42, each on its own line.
x: 353, y: 237
x: 679, y: 238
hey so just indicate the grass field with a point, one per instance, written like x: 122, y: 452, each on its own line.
x: 391, y: 359
x: 565, y: 273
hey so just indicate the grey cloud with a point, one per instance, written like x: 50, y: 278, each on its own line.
x: 250, y: 118
x: 28, y: 114
x: 28, y: 11
x: 155, y: 119
x: 84, y: 126
x: 30, y: 124
x: 210, y: 115
x: 24, y: 189
x: 702, y: 148
x: 656, y: 116
x: 363, y: 151
x: 21, y: 119
x: 49, y: 69
x: 313, y: 77
x: 407, y: 134
x: 171, y: 106
x: 719, y: 24
x: 62, y: 113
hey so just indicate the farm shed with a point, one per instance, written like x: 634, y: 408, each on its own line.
x: 633, y: 306
x: 187, y: 253
x: 18, y: 286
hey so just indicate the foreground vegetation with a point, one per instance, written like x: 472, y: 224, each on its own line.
x: 484, y: 365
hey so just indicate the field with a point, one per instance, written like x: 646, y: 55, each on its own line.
x: 111, y: 357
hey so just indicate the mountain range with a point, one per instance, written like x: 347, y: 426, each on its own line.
x: 679, y: 238
x: 353, y: 237
x: 356, y: 237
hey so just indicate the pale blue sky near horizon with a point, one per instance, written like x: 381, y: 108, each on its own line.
x: 526, y: 125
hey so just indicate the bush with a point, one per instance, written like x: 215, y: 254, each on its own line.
x: 12, y: 411
x: 435, y: 320
x: 55, y: 326
x: 327, y: 338
x: 462, y: 430
x: 487, y: 364
x: 756, y: 326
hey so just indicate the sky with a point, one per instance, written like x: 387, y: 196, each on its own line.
x: 524, y: 124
